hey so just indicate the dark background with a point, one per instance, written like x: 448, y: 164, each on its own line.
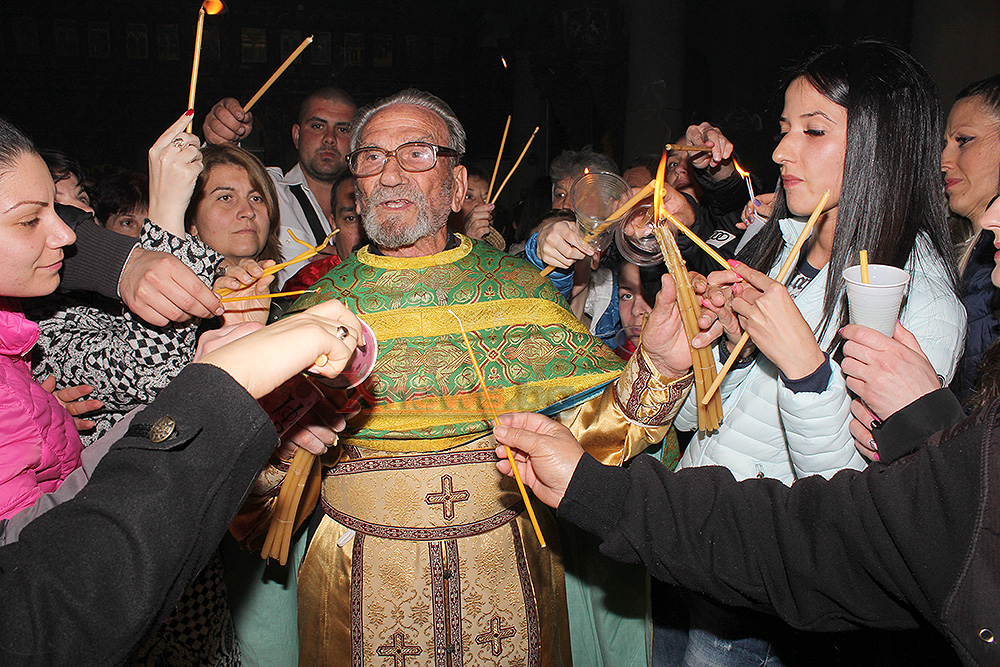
x: 102, y: 79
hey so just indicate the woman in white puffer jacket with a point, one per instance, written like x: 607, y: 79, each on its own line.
x: 864, y: 123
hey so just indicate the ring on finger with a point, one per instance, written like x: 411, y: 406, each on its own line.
x: 178, y: 143
x: 342, y: 332
x: 872, y: 444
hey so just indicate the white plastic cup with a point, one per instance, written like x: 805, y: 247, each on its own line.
x: 875, y: 304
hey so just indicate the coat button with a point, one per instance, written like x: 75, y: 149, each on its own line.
x: 987, y: 635
x: 162, y: 429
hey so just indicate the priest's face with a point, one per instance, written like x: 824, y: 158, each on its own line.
x: 401, y: 209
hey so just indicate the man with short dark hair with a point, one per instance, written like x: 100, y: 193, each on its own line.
x: 421, y: 549
x: 321, y: 134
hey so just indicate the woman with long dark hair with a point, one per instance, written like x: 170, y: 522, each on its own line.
x: 861, y: 122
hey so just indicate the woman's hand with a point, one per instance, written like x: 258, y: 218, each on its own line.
x: 860, y: 428
x: 262, y: 361
x: 477, y: 223
x: 886, y: 373
x: 763, y: 206
x: 663, y: 338
x: 719, y: 161
x: 717, y: 317
x: 561, y: 245
x: 174, y: 165
x: 71, y: 398
x: 246, y: 279
x: 767, y: 312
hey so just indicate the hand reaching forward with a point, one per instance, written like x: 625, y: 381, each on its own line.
x: 545, y: 451
x: 663, y: 338
x: 246, y: 279
x: 719, y: 161
x: 886, y: 373
x: 160, y: 289
x: 263, y: 360
x: 561, y: 244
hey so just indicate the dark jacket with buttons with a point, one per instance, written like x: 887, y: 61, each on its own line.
x: 881, y: 548
x: 88, y: 579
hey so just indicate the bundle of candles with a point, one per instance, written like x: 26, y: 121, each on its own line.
x: 302, y: 479
x: 703, y: 361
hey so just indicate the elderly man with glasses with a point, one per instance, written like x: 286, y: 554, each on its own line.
x: 422, y: 552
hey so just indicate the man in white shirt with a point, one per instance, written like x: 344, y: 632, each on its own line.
x: 322, y: 137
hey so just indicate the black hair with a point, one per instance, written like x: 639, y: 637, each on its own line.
x: 344, y: 175
x: 477, y: 172
x: 891, y: 193
x: 62, y: 166
x: 122, y: 191
x: 650, y: 161
x: 13, y: 144
x: 331, y: 94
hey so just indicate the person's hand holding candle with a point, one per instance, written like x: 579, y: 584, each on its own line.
x: 767, y: 312
x: 174, y: 166
x: 718, y: 163
x: 663, y: 339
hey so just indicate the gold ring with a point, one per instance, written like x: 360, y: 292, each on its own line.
x: 178, y: 143
x: 342, y: 332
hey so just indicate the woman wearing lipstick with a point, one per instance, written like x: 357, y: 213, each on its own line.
x: 861, y: 122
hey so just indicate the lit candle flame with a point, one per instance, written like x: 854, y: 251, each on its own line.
x: 502, y: 59
x: 213, y: 7
x: 586, y: 170
x: 746, y: 177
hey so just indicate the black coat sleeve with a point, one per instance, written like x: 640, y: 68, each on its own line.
x: 906, y: 429
x: 95, y: 262
x: 878, y: 549
x: 88, y: 579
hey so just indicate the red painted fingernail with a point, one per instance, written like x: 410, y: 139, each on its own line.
x: 189, y: 112
x: 733, y: 262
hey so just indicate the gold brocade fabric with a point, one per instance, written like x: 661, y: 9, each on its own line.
x: 443, y: 568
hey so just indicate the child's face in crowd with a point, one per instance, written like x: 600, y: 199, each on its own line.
x: 632, y: 305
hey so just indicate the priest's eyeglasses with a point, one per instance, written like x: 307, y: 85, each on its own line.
x: 413, y: 156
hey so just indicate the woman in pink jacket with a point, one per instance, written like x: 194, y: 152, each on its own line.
x: 39, y: 445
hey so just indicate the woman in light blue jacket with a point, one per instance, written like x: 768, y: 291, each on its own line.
x: 864, y: 123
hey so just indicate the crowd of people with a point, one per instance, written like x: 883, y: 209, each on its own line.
x: 150, y: 426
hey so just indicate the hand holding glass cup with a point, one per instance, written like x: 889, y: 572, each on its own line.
x: 596, y: 196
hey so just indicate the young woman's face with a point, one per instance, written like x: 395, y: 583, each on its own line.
x: 231, y: 217
x: 971, y: 158
x: 32, y: 236
x: 812, y: 148
x: 475, y: 194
